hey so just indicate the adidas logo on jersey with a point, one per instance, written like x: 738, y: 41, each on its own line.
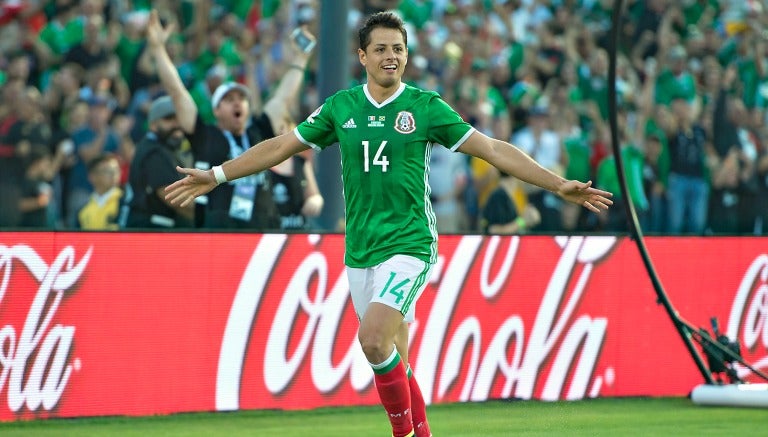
x: 349, y: 124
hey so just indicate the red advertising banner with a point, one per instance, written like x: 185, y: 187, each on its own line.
x: 137, y: 324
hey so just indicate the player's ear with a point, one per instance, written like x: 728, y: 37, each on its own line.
x: 361, y: 56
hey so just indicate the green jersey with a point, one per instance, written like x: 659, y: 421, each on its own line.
x: 385, y: 151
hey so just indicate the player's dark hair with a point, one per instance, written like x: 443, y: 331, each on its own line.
x: 381, y: 19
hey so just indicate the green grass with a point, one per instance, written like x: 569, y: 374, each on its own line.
x: 596, y: 417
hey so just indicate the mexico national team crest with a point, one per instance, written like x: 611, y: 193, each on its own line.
x: 404, y: 123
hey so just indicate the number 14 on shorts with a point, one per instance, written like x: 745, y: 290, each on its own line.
x: 396, y: 290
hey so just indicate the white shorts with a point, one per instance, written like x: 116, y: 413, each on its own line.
x: 397, y: 283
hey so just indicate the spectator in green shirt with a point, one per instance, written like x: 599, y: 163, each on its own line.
x: 675, y: 80
x: 633, y: 160
x: 63, y: 31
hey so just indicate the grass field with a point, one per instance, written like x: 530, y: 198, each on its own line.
x: 596, y: 417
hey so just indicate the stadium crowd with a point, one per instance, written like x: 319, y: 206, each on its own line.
x: 77, y: 82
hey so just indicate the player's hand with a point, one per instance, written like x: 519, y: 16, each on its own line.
x: 196, y: 183
x: 584, y: 194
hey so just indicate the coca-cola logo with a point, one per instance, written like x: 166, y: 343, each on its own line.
x: 36, y: 365
x: 571, y: 341
x: 748, y: 320
x: 522, y: 373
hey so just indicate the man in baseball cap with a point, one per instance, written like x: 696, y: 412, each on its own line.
x: 224, y: 89
x: 164, y: 124
x: 232, y: 107
x: 161, y: 107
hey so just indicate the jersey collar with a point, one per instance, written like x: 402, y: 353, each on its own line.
x: 385, y: 102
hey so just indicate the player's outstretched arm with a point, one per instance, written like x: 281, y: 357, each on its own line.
x: 260, y: 157
x: 513, y: 161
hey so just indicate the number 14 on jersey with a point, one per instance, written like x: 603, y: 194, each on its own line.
x: 378, y: 159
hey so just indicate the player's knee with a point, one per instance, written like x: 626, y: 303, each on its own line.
x: 375, y: 347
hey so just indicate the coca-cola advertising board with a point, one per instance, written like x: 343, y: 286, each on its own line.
x: 137, y: 324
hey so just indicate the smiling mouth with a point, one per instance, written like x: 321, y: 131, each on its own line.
x: 390, y: 67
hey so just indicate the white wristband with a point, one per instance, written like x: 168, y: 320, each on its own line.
x: 218, y: 173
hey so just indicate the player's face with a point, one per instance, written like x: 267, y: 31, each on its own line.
x: 385, y: 57
x: 233, y: 111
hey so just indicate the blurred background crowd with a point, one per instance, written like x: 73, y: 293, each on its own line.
x: 77, y: 82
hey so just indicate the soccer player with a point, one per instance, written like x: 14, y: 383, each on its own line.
x: 386, y: 130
